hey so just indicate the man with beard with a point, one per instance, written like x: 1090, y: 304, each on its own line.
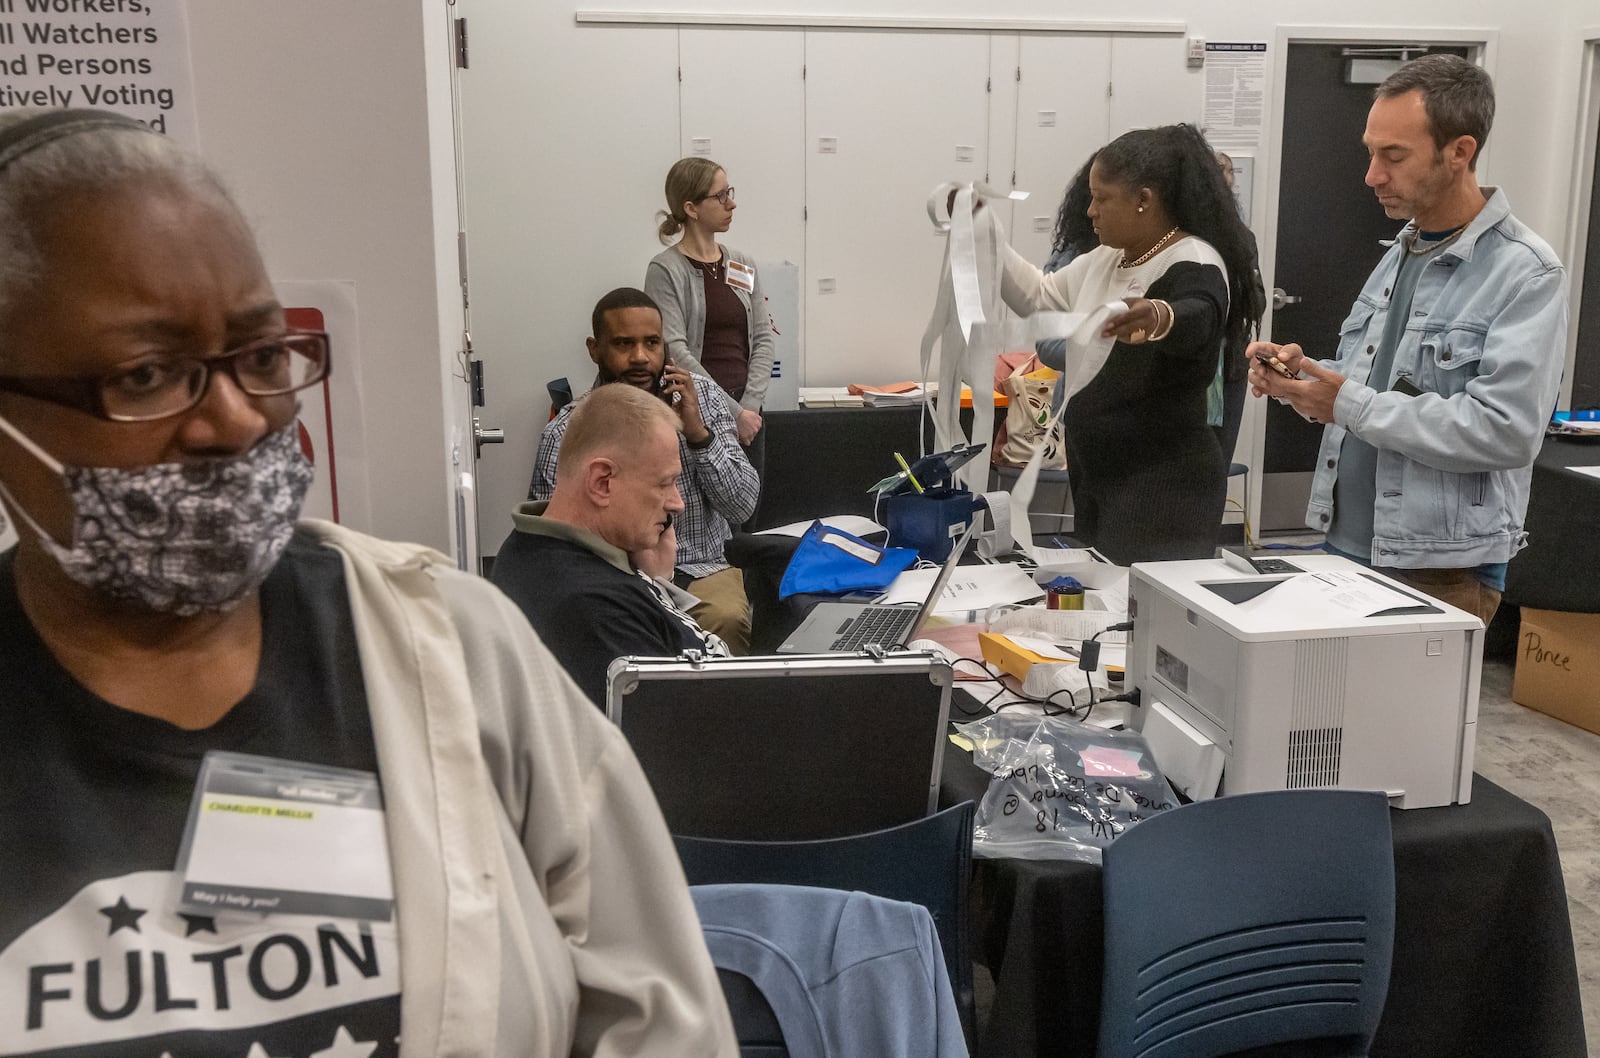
x: 718, y: 485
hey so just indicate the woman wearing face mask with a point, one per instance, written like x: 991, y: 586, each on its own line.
x: 420, y: 806
x: 1147, y: 475
x: 713, y: 314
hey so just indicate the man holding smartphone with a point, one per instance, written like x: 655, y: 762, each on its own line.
x: 719, y: 486
x: 1449, y: 364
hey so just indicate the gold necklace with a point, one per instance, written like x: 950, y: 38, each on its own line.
x: 1142, y: 258
x: 1417, y: 246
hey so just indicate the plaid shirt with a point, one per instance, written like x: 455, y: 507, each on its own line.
x: 718, y: 484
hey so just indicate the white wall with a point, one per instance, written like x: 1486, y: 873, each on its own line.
x: 331, y: 124
x: 564, y: 169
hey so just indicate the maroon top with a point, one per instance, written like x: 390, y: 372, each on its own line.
x: 725, y: 349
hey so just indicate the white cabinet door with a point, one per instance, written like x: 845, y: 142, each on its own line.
x: 1151, y: 83
x: 743, y: 104
x: 563, y: 161
x: 1062, y: 118
x: 888, y: 114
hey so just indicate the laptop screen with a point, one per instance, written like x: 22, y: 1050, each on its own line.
x: 932, y: 601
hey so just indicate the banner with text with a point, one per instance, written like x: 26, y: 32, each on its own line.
x: 130, y: 56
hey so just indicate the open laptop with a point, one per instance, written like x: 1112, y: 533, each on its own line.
x: 846, y: 627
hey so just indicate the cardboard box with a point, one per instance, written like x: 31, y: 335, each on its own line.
x: 1558, y: 666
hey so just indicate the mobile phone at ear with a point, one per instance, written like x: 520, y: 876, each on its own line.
x: 1266, y: 360
x: 661, y: 384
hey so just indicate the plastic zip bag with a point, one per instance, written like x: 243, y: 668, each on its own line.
x: 1060, y: 790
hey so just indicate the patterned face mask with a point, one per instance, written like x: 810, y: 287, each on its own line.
x: 179, y: 538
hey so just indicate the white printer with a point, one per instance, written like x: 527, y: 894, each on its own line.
x: 1334, y: 676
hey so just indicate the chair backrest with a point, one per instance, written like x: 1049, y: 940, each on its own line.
x: 786, y: 749
x: 842, y: 972
x: 1248, y: 921
x: 763, y: 559
x: 560, y: 391
x: 925, y: 862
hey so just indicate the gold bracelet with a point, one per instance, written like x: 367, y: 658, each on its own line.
x: 1161, y: 331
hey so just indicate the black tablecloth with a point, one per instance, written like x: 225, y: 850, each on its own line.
x: 1555, y: 571
x: 1483, y: 954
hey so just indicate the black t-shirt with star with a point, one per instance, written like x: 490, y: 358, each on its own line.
x: 95, y: 959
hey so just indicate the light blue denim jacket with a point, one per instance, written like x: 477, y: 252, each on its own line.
x: 1485, y: 344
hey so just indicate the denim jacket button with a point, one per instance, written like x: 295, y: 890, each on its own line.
x: 1332, y: 463
x: 1385, y: 291
x: 1369, y: 349
x: 1445, y: 355
x: 1324, y: 517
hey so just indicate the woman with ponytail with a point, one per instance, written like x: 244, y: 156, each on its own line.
x: 713, y: 315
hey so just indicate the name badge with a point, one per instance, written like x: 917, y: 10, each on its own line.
x: 282, y: 836
x: 741, y: 276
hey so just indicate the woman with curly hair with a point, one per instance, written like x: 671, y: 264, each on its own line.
x: 1148, y: 481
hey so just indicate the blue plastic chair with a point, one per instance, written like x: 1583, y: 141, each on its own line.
x: 1249, y: 921
x: 927, y: 861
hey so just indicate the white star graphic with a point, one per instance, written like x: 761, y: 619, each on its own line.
x: 346, y: 1047
x: 257, y: 1051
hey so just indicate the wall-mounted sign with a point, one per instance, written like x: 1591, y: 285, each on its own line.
x: 131, y: 56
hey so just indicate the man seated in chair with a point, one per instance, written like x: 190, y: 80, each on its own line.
x: 719, y: 486
x: 591, y: 566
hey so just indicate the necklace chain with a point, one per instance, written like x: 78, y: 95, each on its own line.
x: 1417, y: 246
x: 1142, y: 258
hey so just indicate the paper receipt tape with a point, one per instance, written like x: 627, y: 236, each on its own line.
x: 956, y: 219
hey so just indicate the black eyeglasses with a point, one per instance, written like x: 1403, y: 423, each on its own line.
x: 159, y: 389
x: 725, y: 196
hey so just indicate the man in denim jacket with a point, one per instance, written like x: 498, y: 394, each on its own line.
x: 1448, y: 366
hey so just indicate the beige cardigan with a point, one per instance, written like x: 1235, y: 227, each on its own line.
x: 542, y: 909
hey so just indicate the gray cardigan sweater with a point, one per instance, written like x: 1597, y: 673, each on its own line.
x: 677, y: 289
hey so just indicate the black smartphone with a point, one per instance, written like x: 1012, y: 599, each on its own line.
x: 661, y: 383
x: 1266, y: 359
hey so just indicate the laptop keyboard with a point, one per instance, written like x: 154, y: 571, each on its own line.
x: 882, y: 625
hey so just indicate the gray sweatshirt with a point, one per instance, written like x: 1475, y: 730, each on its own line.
x: 676, y: 287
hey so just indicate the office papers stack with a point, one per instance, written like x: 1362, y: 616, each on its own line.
x: 829, y: 397
x: 971, y: 588
x: 895, y: 395
x: 1332, y: 595
x: 854, y: 524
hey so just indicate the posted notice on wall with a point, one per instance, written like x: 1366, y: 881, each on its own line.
x: 130, y: 56
x: 1235, y: 95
